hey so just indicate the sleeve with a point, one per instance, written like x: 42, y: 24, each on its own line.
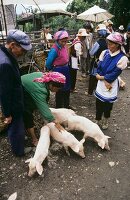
x: 94, y: 49
x: 100, y: 61
x: 50, y: 59
x: 122, y: 64
x: 102, y: 55
x: 113, y: 75
x: 43, y: 107
x: 78, y: 49
x: 6, y: 89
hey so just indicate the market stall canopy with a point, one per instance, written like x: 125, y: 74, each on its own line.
x: 34, y: 2
x: 47, y: 13
x: 54, y: 12
x: 95, y: 14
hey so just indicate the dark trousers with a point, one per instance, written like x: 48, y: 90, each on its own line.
x: 103, y: 108
x: 73, y: 75
x: 92, y: 84
x: 16, y: 133
x: 62, y: 99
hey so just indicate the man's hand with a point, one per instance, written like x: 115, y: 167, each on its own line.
x: 108, y: 85
x: 8, y: 120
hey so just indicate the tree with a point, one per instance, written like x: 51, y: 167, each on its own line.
x: 121, y: 10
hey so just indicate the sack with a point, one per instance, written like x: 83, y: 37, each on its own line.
x: 2, y: 124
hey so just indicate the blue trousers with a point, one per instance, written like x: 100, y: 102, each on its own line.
x: 16, y: 134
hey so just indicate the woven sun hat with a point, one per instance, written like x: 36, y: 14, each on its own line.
x: 101, y: 27
x: 82, y: 32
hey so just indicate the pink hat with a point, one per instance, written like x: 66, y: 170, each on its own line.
x: 116, y: 37
x: 51, y: 76
x: 60, y: 35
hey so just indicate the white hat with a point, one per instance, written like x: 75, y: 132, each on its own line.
x: 121, y: 27
x: 106, y: 23
x: 101, y: 27
x: 110, y: 22
x: 82, y: 32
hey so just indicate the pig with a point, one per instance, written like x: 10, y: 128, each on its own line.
x: 89, y: 128
x: 62, y: 114
x: 35, y: 163
x: 67, y: 139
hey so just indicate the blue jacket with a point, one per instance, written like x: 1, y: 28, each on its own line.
x: 108, y: 67
x: 11, y: 92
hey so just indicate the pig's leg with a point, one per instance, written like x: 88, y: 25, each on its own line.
x: 66, y: 149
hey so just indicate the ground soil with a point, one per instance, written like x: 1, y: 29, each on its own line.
x: 102, y: 175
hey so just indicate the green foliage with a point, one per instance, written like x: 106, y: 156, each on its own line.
x: 121, y: 10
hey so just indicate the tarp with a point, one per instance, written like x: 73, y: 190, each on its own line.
x: 33, y: 2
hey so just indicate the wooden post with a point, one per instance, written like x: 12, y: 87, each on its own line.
x: 3, y: 11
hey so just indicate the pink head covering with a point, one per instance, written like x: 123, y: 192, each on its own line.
x: 116, y: 37
x: 51, y: 76
x: 60, y: 35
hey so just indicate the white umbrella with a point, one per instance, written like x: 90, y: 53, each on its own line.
x: 33, y: 2
x: 95, y: 14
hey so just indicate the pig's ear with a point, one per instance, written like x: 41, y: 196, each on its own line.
x: 107, y: 136
x: 76, y: 149
x: 82, y: 141
x: 28, y: 160
x: 39, y: 168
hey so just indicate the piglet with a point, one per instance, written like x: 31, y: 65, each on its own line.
x: 89, y: 128
x: 62, y: 114
x: 35, y: 163
x: 67, y: 139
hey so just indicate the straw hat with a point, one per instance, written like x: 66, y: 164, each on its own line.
x: 110, y: 22
x: 82, y: 32
x: 101, y: 27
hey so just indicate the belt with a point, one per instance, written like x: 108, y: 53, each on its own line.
x: 60, y: 65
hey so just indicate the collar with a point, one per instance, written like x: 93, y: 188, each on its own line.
x: 8, y: 53
x: 58, y: 45
x: 114, y: 54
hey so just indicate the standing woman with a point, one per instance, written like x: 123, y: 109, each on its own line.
x: 111, y: 63
x: 57, y: 61
x: 95, y: 51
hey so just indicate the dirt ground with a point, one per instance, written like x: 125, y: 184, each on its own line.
x: 102, y: 175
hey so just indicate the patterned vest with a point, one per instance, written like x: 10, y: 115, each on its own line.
x: 63, y: 56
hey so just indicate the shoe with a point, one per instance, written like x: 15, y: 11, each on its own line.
x: 99, y: 123
x: 105, y: 124
x: 71, y: 107
x: 27, y: 150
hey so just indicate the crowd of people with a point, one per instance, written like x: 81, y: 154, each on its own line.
x: 101, y: 59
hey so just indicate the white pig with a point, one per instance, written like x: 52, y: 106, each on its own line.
x: 35, y: 163
x: 67, y: 139
x: 62, y: 114
x: 89, y: 128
